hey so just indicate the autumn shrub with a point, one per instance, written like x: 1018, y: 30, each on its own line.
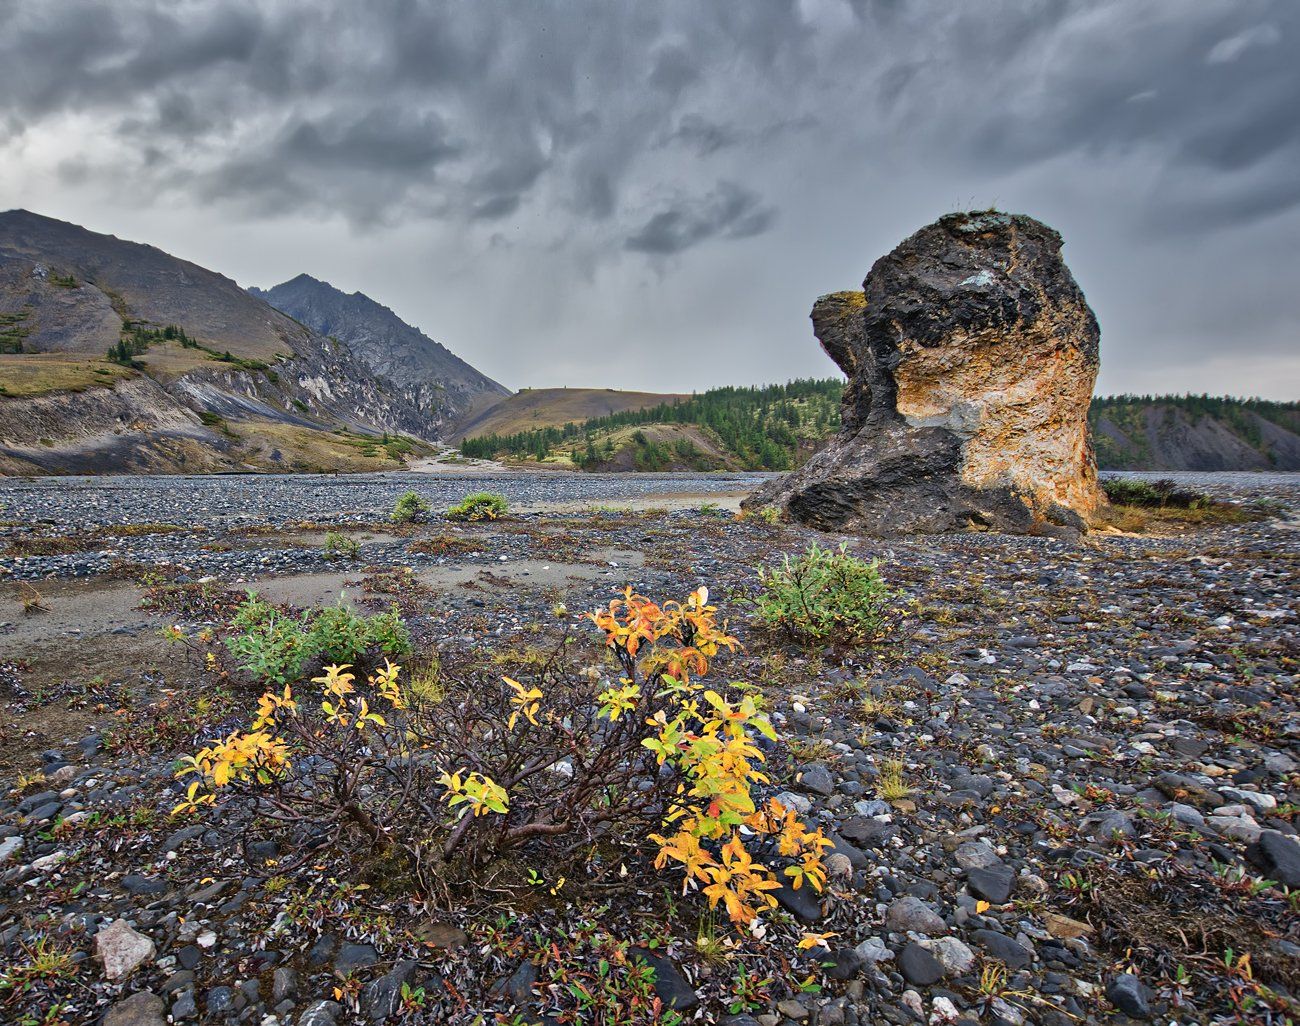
x: 479, y: 506
x: 410, y: 508
x: 825, y: 595
x: 569, y: 775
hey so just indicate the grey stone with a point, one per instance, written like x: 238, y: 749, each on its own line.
x: 955, y: 957
x: 802, y: 903
x: 321, y: 1013
x: 910, y: 913
x: 381, y: 998
x: 518, y: 986
x: 846, y: 963
x: 670, y: 985
x: 976, y: 855
x: 142, y: 1009
x: 1278, y: 856
x: 284, y: 985
x: 994, y: 884
x: 1127, y: 993
x: 919, y: 966
x: 221, y: 1001
x: 122, y: 950
x: 352, y: 957
x: 817, y: 779
x: 1003, y: 948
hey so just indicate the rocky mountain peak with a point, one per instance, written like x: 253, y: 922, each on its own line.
x: 392, y: 349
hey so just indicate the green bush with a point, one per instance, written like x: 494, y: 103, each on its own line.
x: 339, y: 635
x: 825, y: 595
x: 274, y: 647
x: 479, y: 506
x: 270, y: 646
x: 1161, y: 494
x: 410, y: 508
x: 340, y: 546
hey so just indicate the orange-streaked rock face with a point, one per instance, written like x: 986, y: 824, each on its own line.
x: 971, y: 356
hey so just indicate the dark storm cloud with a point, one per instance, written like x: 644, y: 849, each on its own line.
x: 702, y: 135
x: 729, y: 212
x: 594, y: 130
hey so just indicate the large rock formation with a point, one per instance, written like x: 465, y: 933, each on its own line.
x: 971, y: 356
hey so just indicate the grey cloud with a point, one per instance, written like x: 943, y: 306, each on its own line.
x: 729, y: 211
x: 702, y: 135
x: 1162, y: 129
x: 495, y: 208
x: 673, y: 70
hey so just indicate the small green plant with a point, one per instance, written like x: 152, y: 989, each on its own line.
x: 479, y: 506
x: 410, y: 508
x: 713, y: 949
x: 276, y: 648
x: 769, y: 515
x: 339, y: 635
x: 340, y: 546
x: 270, y: 646
x: 892, y: 788
x: 825, y: 595
x: 425, y: 681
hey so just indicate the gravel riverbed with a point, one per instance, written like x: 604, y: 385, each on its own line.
x: 1062, y: 789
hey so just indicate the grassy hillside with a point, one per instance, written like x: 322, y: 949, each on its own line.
x: 768, y: 428
x: 534, y: 408
x: 30, y: 374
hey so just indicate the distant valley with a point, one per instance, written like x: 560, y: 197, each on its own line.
x: 116, y: 357
x: 777, y: 427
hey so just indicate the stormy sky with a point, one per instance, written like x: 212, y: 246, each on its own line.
x: 642, y: 194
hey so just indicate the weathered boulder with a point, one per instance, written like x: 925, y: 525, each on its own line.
x: 971, y: 356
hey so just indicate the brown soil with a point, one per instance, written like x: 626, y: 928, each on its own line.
x: 74, y: 671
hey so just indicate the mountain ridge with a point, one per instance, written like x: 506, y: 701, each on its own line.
x: 137, y: 360
x: 391, y: 347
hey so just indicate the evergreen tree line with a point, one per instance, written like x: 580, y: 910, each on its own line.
x: 136, y: 340
x: 761, y: 425
x: 1239, y: 413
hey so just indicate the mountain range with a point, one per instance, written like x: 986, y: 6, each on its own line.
x: 116, y: 356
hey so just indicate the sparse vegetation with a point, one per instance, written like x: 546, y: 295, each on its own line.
x: 1160, y: 494
x: 825, y: 595
x: 276, y: 648
x: 410, y: 508
x: 340, y: 546
x: 479, y: 506
x: 1142, y: 505
x: 24, y: 375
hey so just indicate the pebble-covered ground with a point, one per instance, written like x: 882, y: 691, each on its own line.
x: 1062, y: 788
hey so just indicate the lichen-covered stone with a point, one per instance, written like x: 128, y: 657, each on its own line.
x: 121, y: 949
x: 971, y: 356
